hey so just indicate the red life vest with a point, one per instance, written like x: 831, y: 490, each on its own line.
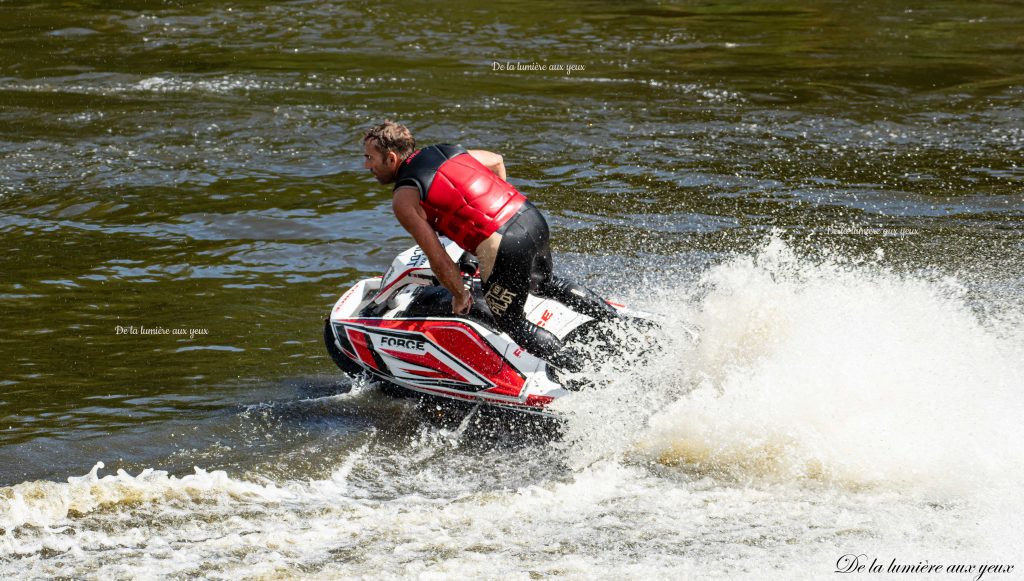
x: 463, y: 199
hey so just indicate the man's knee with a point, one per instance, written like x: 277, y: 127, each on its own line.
x: 536, y: 340
x: 579, y: 298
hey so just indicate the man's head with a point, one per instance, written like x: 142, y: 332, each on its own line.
x: 385, y: 147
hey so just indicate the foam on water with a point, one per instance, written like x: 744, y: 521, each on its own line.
x: 850, y: 373
x: 853, y: 374
x: 115, y: 84
x: 827, y: 408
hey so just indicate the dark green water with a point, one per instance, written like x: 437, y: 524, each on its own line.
x: 196, y: 165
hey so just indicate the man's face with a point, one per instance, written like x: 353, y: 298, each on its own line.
x: 383, y: 166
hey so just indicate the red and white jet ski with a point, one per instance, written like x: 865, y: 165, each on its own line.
x: 400, y: 329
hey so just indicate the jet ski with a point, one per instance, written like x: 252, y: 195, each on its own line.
x: 399, y: 329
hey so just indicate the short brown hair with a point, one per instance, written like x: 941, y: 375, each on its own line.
x: 391, y: 136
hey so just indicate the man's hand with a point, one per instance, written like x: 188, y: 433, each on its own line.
x: 462, y: 302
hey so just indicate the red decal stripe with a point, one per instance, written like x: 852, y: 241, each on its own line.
x: 362, y: 345
x: 538, y: 400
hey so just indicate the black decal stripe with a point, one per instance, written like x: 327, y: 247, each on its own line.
x: 342, y: 339
x: 384, y: 369
x: 456, y: 385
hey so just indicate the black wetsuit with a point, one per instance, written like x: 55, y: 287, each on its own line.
x: 523, y: 266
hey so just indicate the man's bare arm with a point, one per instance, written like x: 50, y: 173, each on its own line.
x: 406, y: 205
x: 493, y: 161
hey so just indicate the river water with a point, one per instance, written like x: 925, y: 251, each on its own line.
x: 832, y: 193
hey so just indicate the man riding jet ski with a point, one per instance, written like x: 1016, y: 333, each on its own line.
x: 462, y: 195
x: 487, y: 330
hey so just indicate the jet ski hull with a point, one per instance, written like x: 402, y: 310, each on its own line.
x: 399, y: 330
